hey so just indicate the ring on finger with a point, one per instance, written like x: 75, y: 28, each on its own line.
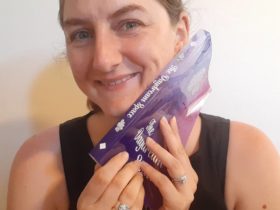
x: 123, y: 206
x: 180, y: 179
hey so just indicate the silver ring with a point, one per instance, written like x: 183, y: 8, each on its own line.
x: 180, y: 179
x: 123, y: 207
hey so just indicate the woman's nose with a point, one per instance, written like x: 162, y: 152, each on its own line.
x: 106, y: 55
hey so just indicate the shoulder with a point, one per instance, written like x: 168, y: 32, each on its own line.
x: 37, y: 173
x: 253, y: 169
x: 248, y: 140
x: 46, y: 141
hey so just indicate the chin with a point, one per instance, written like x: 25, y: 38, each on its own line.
x: 117, y: 110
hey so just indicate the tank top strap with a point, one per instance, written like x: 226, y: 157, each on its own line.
x: 210, y: 163
x: 75, y: 145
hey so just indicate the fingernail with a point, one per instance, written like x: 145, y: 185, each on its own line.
x: 124, y: 154
x: 149, y: 140
x: 164, y: 120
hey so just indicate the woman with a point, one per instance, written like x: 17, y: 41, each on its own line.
x: 115, y: 49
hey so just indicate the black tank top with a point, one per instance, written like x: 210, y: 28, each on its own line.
x: 209, y: 161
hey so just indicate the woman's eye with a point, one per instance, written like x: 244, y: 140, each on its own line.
x: 81, y: 36
x: 130, y: 26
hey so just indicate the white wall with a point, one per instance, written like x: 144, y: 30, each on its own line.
x: 37, y: 91
x: 245, y: 70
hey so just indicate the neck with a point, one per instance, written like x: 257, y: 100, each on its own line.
x: 193, y: 142
x: 99, y: 124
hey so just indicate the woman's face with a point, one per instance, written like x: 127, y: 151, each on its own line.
x: 116, y: 48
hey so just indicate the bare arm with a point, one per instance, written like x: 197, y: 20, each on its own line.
x: 253, y: 170
x: 37, y: 179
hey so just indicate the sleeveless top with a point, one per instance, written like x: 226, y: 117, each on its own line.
x: 209, y: 161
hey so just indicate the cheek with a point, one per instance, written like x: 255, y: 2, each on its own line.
x: 151, y: 54
x: 136, y: 48
x: 158, y: 48
x: 142, y: 51
x: 79, y: 62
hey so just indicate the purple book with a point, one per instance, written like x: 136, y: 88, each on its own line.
x: 180, y: 90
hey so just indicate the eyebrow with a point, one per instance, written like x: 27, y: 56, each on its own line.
x: 127, y: 9
x: 118, y: 13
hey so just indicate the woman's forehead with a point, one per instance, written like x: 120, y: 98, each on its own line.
x: 96, y: 9
x: 106, y: 5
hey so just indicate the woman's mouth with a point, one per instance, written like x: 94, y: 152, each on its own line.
x: 112, y: 84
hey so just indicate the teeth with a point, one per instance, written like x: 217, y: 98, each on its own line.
x: 114, y: 83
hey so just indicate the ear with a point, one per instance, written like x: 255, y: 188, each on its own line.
x: 182, y: 31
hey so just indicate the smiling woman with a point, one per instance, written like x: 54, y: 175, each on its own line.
x: 118, y: 41
x: 116, y: 48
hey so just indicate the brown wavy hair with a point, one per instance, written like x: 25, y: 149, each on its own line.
x: 173, y: 7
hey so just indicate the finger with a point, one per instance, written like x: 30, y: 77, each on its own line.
x: 139, y: 203
x: 174, y: 126
x: 119, y: 182
x: 162, y: 182
x: 174, y: 167
x: 103, y: 177
x: 97, y: 166
x: 131, y: 191
x: 172, y: 138
x: 174, y: 197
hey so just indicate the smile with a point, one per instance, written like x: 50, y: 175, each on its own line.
x: 115, y: 82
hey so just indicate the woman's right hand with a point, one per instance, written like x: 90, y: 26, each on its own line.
x: 115, y: 183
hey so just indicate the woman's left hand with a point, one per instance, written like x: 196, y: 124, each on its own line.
x: 178, y: 191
